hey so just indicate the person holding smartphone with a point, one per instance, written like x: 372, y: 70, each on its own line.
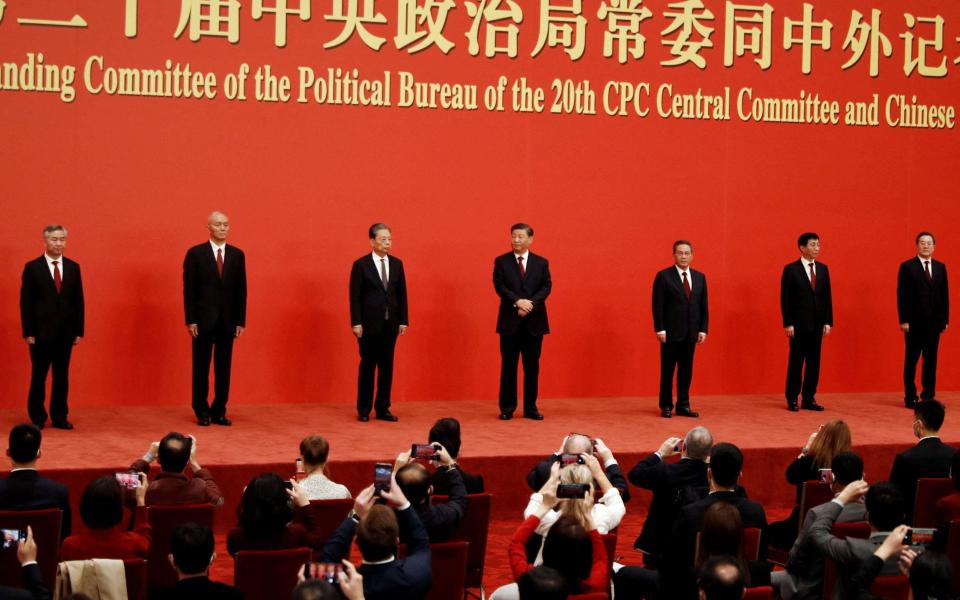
x: 101, y: 510
x: 274, y: 515
x: 33, y: 586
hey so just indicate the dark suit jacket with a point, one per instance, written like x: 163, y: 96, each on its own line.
x: 534, y: 286
x: 196, y: 588
x: 208, y: 299
x: 407, y: 579
x: 806, y: 564
x: 800, y: 307
x: 925, y: 305
x: 668, y: 482
x: 441, y: 520
x: 35, y: 589
x: 27, y: 490
x: 369, y: 302
x: 540, y: 473
x: 681, y: 318
x: 442, y: 484
x: 929, y: 458
x: 45, y: 314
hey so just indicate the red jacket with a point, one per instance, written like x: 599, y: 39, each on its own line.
x: 115, y: 542
x: 596, y: 582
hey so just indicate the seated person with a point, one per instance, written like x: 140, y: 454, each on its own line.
x: 440, y: 520
x: 175, y: 451
x: 929, y: 458
x: 274, y: 515
x: 543, y: 583
x: 930, y: 573
x: 101, y: 510
x: 446, y: 432
x: 33, y: 586
x: 721, y: 578
x: 24, y: 488
x: 577, y: 443
x: 349, y: 586
x: 314, y: 451
x: 191, y: 554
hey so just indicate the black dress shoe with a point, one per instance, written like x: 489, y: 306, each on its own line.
x: 811, y: 405
x: 387, y: 416
x: 666, y: 413
x: 363, y: 418
x: 686, y: 412
x: 203, y: 421
x: 505, y: 416
x: 533, y: 416
x: 221, y: 421
x: 910, y: 403
x: 792, y: 406
x: 38, y: 425
x: 62, y: 425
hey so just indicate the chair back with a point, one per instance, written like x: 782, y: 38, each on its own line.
x: 929, y: 492
x: 751, y: 543
x: 610, y: 544
x: 953, y: 552
x: 268, y: 574
x: 135, y: 571
x: 45, y: 524
x: 448, y: 562
x: 590, y: 596
x: 891, y: 587
x: 164, y: 520
x: 814, y: 493
x: 330, y: 513
x: 758, y: 593
x: 473, y: 529
x: 831, y: 571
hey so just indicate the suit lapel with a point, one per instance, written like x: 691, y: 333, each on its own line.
x: 373, y: 269
x: 44, y: 269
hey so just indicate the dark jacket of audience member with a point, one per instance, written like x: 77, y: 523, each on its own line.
x: 268, y: 521
x: 440, y: 520
x: 929, y: 458
x: 931, y: 577
x: 24, y: 488
x: 33, y: 586
x: 101, y: 510
x: 446, y: 432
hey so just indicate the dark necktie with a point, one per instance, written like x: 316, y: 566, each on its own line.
x: 686, y: 286
x: 926, y: 267
x: 220, y: 262
x: 57, y: 281
x: 813, y: 278
x: 523, y: 272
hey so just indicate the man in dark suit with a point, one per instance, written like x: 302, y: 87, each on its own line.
x: 51, y: 316
x: 807, y: 308
x: 24, y: 488
x: 442, y: 519
x: 378, y: 314
x: 522, y: 280
x: 680, y: 319
x: 215, y: 303
x: 577, y: 444
x: 446, y: 432
x: 191, y: 554
x: 929, y: 458
x: 923, y: 306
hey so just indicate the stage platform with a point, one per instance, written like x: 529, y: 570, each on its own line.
x: 266, y: 437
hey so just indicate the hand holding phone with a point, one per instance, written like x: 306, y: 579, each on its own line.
x: 129, y: 480
x: 11, y: 538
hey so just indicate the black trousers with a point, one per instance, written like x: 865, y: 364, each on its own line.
x: 676, y: 356
x: 804, y: 358
x: 919, y: 342
x: 44, y: 355
x: 376, y: 357
x: 219, y: 343
x: 514, y: 347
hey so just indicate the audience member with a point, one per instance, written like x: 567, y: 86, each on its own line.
x: 884, y: 513
x: 101, y: 510
x: 721, y: 578
x: 191, y: 554
x: 314, y: 451
x: 948, y: 507
x: 379, y: 531
x: 826, y: 442
x: 349, y: 586
x: 446, y: 432
x: 672, y: 484
x: 543, y: 583
x: 722, y: 535
x: 930, y: 573
x: 175, y: 451
x: 929, y: 458
x: 577, y: 444
x: 33, y: 586
x: 274, y: 515
x: 803, y: 577
x: 440, y: 520
x: 24, y: 488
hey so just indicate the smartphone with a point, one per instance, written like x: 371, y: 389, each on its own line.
x: 11, y: 537
x: 381, y: 477
x: 918, y: 535
x: 570, y: 459
x: 680, y: 446
x: 826, y: 476
x: 287, y: 485
x: 328, y: 572
x: 573, y: 490
x: 298, y: 466
x: 424, y: 452
x: 129, y: 480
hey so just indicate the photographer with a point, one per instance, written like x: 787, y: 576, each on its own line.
x: 35, y: 589
x: 101, y: 510
x: 174, y: 452
x: 349, y: 585
x: 413, y: 478
x: 930, y: 573
x: 274, y: 515
x: 446, y: 432
x: 577, y: 443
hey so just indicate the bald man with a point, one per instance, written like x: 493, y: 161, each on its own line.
x: 215, y: 304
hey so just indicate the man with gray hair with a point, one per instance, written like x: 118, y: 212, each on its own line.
x: 673, y: 484
x: 51, y: 316
x: 215, y: 304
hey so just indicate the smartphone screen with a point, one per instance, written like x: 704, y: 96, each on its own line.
x: 423, y: 451
x: 570, y: 459
x: 129, y: 480
x: 381, y: 477
x: 11, y: 537
x: 298, y: 465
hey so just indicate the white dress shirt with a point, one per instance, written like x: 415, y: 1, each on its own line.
x: 50, y: 261
x: 806, y: 266
x: 377, y: 263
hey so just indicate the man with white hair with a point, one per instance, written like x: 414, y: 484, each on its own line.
x: 215, y: 304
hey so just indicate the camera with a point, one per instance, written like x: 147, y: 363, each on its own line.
x: 570, y: 459
x: 918, y: 535
x: 382, y: 473
x: 424, y: 452
x: 11, y: 537
x: 680, y: 446
x: 129, y: 480
x: 826, y: 476
x: 328, y: 572
x: 573, y: 490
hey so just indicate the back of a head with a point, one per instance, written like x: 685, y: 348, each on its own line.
x: 835, y: 437
x: 174, y: 453
x: 192, y: 548
x: 847, y: 467
x: 543, y: 583
x: 931, y: 414
x: 24, y: 443
x: 726, y: 462
x: 314, y: 449
x: 315, y: 589
x: 721, y: 578
x: 698, y: 443
x: 101, y: 506
x: 378, y: 533
x: 414, y: 482
x: 265, y: 507
x: 446, y: 432
x: 578, y: 444
x: 931, y: 576
x: 885, y: 506
x: 567, y: 548
x: 722, y: 532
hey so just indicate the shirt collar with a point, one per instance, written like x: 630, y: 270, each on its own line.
x: 682, y: 271
x: 525, y: 255
x: 377, y: 257
x: 50, y: 259
x: 215, y: 247
x: 23, y: 469
x: 807, y: 263
x: 379, y: 562
x: 930, y: 437
x: 923, y: 260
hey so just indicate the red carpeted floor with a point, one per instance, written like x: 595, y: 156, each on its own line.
x: 266, y: 437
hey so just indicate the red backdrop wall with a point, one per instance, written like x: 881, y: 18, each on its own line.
x: 134, y: 178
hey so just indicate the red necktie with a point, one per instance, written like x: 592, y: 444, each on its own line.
x: 523, y: 272
x: 57, y: 281
x: 220, y: 262
x: 813, y: 278
x: 686, y: 286
x: 926, y: 265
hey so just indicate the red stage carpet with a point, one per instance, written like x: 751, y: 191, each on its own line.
x: 266, y: 437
